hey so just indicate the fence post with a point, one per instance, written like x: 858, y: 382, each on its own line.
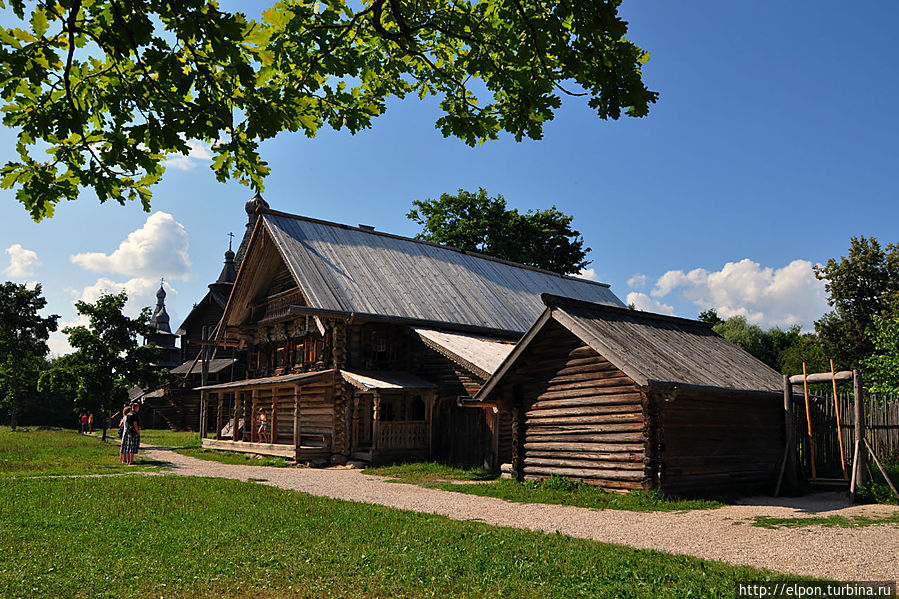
x: 788, y: 477
x: 861, y: 455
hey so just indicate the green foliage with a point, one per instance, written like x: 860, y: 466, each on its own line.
x: 107, y: 89
x: 23, y: 343
x: 883, y: 366
x: 478, y: 223
x: 783, y: 350
x: 826, y: 521
x: 861, y: 287
x: 108, y: 358
x: 710, y: 316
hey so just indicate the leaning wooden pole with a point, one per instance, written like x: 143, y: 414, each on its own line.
x: 808, y: 420
x: 859, y: 414
x: 836, y: 407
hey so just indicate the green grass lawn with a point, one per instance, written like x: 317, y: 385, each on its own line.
x: 554, y: 490
x: 167, y: 438
x: 233, y: 457
x: 61, y: 452
x: 828, y: 521
x: 189, y: 537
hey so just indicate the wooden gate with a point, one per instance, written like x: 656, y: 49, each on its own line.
x: 881, y: 430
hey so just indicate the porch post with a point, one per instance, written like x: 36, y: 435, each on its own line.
x: 273, y: 419
x: 254, y: 437
x: 354, y: 427
x: 430, y: 400
x: 376, y: 422
x: 218, y: 415
x: 296, y: 421
x: 234, y: 416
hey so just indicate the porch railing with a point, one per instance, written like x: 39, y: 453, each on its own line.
x: 401, y: 435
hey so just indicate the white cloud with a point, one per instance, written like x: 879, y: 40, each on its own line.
x: 641, y: 301
x: 765, y: 296
x: 141, y: 292
x: 158, y: 249
x: 589, y: 274
x: 199, y: 152
x: 637, y: 281
x: 22, y: 262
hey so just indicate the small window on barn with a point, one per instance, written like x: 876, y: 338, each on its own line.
x: 387, y: 411
x: 417, y: 408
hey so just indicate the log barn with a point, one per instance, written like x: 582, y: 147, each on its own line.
x: 358, y: 344
x: 627, y: 400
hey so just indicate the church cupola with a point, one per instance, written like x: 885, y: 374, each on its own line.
x: 160, y: 319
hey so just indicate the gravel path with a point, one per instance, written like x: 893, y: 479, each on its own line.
x: 724, y: 534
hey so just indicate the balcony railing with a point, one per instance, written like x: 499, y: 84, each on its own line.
x: 401, y: 435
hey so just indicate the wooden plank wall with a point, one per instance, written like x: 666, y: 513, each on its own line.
x: 583, y: 418
x: 316, y: 419
x: 716, y: 444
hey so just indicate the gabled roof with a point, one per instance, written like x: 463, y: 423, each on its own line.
x: 196, y: 367
x: 478, y: 354
x: 359, y: 271
x: 654, y: 350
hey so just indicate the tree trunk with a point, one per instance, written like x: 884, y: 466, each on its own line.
x: 14, y: 404
x: 104, y: 431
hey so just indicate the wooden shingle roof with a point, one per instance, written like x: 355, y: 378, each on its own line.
x: 355, y: 270
x: 654, y: 350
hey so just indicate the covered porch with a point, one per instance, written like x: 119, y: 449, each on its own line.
x: 298, y: 408
x: 391, y: 415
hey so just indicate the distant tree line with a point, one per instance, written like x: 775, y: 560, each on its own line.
x: 109, y: 358
x: 861, y: 330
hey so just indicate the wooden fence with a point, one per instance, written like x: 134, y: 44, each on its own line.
x: 881, y: 430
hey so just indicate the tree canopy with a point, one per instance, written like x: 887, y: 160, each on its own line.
x: 108, y: 358
x: 109, y: 88
x: 860, y: 287
x: 23, y: 342
x: 478, y: 223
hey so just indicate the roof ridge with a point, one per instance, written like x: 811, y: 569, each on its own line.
x: 553, y: 301
x: 264, y: 211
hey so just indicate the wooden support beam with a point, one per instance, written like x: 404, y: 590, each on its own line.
x: 821, y: 377
x: 808, y: 418
x: 234, y: 416
x: 218, y: 415
x: 254, y: 434
x: 788, y: 463
x: 860, y: 453
x: 836, y: 406
x: 296, y: 421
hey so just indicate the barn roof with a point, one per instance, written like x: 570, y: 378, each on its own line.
x: 360, y: 271
x: 654, y: 350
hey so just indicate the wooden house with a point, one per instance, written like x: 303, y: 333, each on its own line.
x: 632, y: 400
x: 358, y: 343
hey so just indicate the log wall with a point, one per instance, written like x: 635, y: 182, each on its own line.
x: 580, y: 416
x: 715, y: 444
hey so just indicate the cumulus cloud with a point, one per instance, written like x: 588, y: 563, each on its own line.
x: 589, y: 274
x: 766, y: 296
x: 141, y: 292
x: 641, y: 301
x: 22, y: 262
x: 199, y: 153
x: 637, y: 281
x: 158, y: 249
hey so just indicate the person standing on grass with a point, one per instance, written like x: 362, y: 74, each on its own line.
x: 90, y: 423
x: 131, y: 435
x: 83, y: 428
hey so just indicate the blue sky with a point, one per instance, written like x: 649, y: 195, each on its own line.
x: 773, y: 142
